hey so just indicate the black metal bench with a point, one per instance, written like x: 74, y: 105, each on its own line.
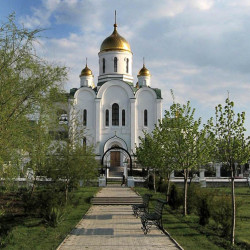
x: 154, y: 218
x: 143, y: 207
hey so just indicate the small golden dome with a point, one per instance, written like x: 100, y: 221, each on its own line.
x: 144, y: 71
x: 115, y: 42
x: 86, y: 71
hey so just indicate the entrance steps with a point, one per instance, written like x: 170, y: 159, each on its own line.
x: 116, y: 200
x: 115, y: 171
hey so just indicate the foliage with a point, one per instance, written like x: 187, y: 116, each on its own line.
x: 186, y: 143
x: 72, y: 162
x: 203, y: 212
x: 221, y: 212
x: 28, y: 87
x: 174, y: 197
x: 53, y: 216
x: 190, y: 234
x: 31, y: 231
x: 230, y: 145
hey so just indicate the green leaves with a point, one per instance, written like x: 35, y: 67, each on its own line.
x: 230, y: 144
x: 29, y: 87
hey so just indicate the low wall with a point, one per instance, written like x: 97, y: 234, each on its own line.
x: 215, y: 182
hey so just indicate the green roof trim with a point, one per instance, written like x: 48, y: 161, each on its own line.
x: 72, y: 91
x: 158, y: 93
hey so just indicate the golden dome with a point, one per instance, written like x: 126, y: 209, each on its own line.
x: 86, y: 71
x: 115, y: 42
x: 144, y: 71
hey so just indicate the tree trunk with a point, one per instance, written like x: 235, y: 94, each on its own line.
x: 66, y: 192
x: 185, y: 192
x: 233, y: 209
x: 168, y: 187
x: 154, y: 182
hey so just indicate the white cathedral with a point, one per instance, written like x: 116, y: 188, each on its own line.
x: 115, y: 111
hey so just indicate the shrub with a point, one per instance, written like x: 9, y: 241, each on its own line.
x: 221, y: 212
x: 203, y: 212
x: 194, y: 196
x: 53, y: 216
x: 42, y: 200
x: 174, y: 197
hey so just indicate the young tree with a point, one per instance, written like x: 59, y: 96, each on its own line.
x: 230, y: 144
x: 163, y: 157
x: 24, y: 77
x: 186, y: 143
x: 71, y: 160
x: 26, y: 80
x: 145, y: 153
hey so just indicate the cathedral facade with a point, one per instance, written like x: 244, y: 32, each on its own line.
x: 115, y: 110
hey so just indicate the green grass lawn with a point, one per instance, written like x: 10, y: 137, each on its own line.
x: 190, y: 235
x: 31, y: 233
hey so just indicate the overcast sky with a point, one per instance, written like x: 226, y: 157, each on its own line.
x: 198, y: 48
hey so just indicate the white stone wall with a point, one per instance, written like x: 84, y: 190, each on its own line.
x: 85, y: 99
x: 115, y: 92
x: 87, y: 81
x: 146, y: 99
x: 122, y: 57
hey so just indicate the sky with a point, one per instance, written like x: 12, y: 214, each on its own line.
x: 198, y: 48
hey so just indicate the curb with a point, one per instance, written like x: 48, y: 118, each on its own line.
x: 171, y: 238
x: 68, y: 235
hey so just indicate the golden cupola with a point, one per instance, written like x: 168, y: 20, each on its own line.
x: 144, y: 71
x: 115, y: 42
x: 115, y: 59
x: 144, y: 77
x: 86, y: 71
x: 86, y: 77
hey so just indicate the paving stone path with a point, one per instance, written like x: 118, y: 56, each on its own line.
x: 113, y: 227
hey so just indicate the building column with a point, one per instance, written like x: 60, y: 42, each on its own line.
x: 172, y: 175
x: 132, y: 124
x: 217, y: 169
x: 202, y: 173
x: 125, y: 170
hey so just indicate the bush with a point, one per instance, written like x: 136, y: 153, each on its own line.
x: 150, y: 182
x: 203, y: 212
x: 53, y: 216
x: 42, y: 200
x: 174, y: 197
x: 194, y: 196
x: 221, y: 212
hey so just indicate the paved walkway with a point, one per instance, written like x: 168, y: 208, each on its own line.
x: 114, y: 228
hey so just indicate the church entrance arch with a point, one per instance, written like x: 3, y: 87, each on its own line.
x: 115, y: 150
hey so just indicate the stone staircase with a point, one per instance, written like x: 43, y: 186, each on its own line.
x: 116, y: 200
x: 115, y: 172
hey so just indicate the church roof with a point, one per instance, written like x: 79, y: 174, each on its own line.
x: 144, y: 71
x: 115, y: 42
x: 86, y: 71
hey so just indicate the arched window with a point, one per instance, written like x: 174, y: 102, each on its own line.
x: 145, y: 118
x: 115, y: 64
x: 115, y: 114
x: 84, y: 120
x: 123, y: 117
x: 107, y: 118
x: 103, y: 65
x: 127, y: 62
